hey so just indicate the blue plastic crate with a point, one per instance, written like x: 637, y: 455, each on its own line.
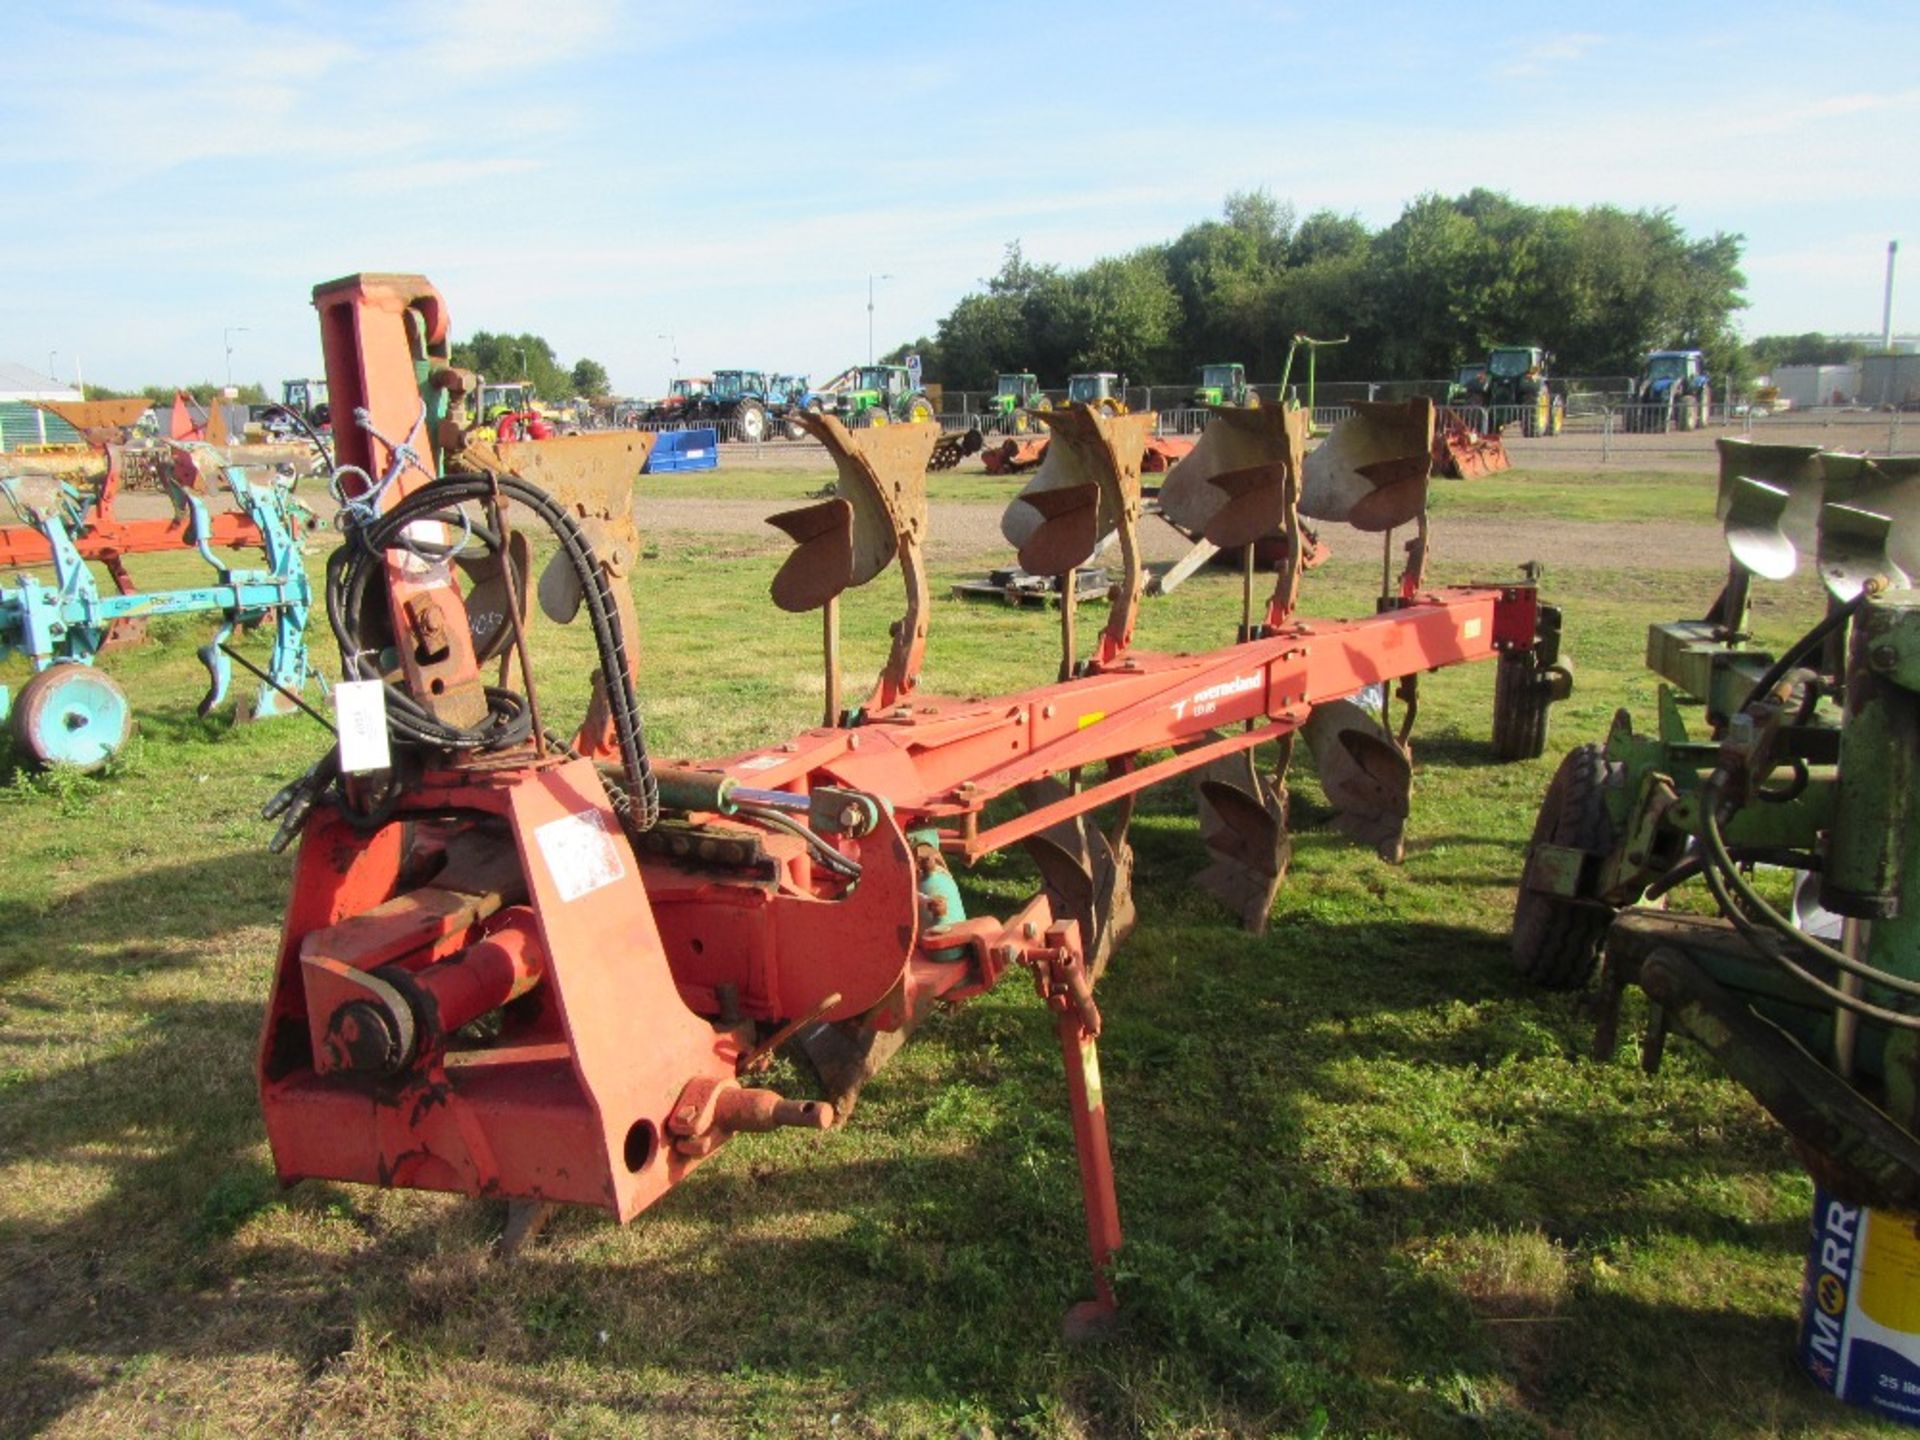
x: 677, y: 450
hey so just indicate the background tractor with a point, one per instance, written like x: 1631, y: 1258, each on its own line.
x: 1013, y: 404
x: 882, y: 394
x: 680, y: 395
x: 1675, y: 393
x: 786, y: 396
x: 1224, y: 385
x: 1469, y: 381
x: 1517, y: 387
x: 737, y: 395
x: 1103, y: 391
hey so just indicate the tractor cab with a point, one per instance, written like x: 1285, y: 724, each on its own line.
x: 1012, y: 390
x: 1469, y: 384
x: 730, y: 385
x: 886, y: 382
x: 1512, y: 362
x: 510, y: 397
x: 1223, y: 385
x: 1103, y: 390
x: 1666, y: 367
x: 882, y: 393
x: 305, y: 398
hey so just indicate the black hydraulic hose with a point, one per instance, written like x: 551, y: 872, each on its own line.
x: 1803, y: 647
x: 352, y: 572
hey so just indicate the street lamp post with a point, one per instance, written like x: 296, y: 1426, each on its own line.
x: 226, y: 338
x: 673, y: 349
x: 50, y: 372
x: 521, y: 351
x: 870, y: 280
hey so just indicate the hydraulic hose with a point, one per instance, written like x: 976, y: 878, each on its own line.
x: 354, y: 572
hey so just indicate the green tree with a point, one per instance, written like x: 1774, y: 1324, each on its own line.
x: 515, y: 357
x: 590, y: 379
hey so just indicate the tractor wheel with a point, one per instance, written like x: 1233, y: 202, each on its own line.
x: 1043, y: 403
x: 1019, y: 422
x: 73, y: 715
x: 919, y: 411
x: 1556, y: 942
x: 1557, y: 416
x: 752, y: 420
x: 795, y: 431
x: 1522, y: 702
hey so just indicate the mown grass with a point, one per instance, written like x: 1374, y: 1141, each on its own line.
x: 1371, y: 1186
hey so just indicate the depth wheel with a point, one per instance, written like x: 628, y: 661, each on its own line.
x: 72, y: 715
x: 1522, y: 703
x: 1556, y: 942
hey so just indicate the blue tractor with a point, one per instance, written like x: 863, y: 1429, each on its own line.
x: 1675, y: 393
x: 786, y: 396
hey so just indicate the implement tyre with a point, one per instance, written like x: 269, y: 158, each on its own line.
x: 1522, y: 704
x: 71, y: 715
x: 1556, y: 942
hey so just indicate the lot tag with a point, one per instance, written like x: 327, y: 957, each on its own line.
x: 360, y: 709
x: 580, y: 853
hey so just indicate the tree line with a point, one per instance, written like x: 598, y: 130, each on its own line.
x: 1447, y: 280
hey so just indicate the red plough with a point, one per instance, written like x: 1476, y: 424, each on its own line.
x: 641, y: 937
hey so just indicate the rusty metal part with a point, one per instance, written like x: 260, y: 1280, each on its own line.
x: 1371, y: 471
x: 1087, y: 874
x: 100, y: 422
x: 1240, y: 487
x: 1088, y: 486
x: 710, y: 1111
x: 1366, y: 774
x: 1011, y: 456
x: 1461, y: 452
x: 1243, y: 824
x: 950, y: 449
x: 879, y: 514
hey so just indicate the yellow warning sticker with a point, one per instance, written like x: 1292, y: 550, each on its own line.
x: 1091, y: 718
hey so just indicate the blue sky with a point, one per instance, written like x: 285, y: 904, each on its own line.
x: 729, y: 175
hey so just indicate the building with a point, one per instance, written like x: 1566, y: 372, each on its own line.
x: 21, y: 423
x: 1805, y: 386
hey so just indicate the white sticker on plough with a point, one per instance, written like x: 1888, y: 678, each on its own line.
x: 580, y: 854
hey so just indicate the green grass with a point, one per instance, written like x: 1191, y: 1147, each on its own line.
x: 1581, y: 495
x: 1370, y: 1185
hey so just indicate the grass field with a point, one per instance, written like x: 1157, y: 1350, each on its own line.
x: 1370, y: 1184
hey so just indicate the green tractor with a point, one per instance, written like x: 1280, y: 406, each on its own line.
x: 1016, y: 399
x: 1516, y: 386
x: 1467, y: 380
x: 882, y: 394
x: 1102, y: 390
x: 1224, y: 385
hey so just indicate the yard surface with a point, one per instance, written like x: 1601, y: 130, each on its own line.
x: 1372, y: 1185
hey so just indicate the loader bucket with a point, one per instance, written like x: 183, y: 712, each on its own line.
x: 1751, y: 520
x: 1088, y: 877
x: 848, y: 540
x: 1371, y: 471
x: 1367, y: 776
x: 1232, y: 488
x: 1243, y: 824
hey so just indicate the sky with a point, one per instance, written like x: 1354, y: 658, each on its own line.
x: 717, y: 183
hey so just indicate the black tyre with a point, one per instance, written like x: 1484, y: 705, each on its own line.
x: 1522, y: 704
x: 1556, y: 942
